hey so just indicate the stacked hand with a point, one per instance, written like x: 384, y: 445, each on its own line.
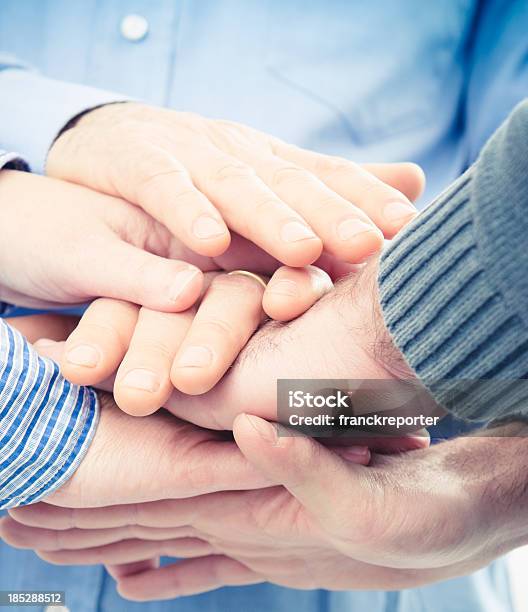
x: 148, y: 226
x: 399, y: 522
x: 198, y: 177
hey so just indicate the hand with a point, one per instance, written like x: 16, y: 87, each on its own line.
x: 134, y: 460
x: 152, y: 351
x: 196, y: 175
x: 65, y: 244
x: 401, y: 522
x: 343, y: 336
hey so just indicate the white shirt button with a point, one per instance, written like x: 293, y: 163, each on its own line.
x: 134, y: 27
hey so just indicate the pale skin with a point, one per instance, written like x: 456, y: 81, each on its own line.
x: 113, y: 427
x: 148, y: 353
x: 126, y: 339
x: 122, y: 336
x: 360, y: 528
x: 66, y: 244
x: 203, y: 178
x: 109, y: 247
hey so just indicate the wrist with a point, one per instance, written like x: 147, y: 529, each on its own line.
x: 364, y: 292
x: 108, y: 114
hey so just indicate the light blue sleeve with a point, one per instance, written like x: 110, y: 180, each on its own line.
x: 12, y: 161
x: 46, y: 423
x: 34, y: 109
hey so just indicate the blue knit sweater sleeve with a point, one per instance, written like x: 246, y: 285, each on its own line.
x: 454, y: 284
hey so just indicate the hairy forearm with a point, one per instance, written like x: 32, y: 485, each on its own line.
x: 491, y: 464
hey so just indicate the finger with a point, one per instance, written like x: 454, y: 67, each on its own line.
x: 242, y: 253
x: 388, y: 444
x: 346, y: 230
x: 252, y: 209
x: 152, y: 178
x: 143, y: 380
x: 163, y: 514
x: 55, y: 351
x: 303, y: 466
x: 164, y: 189
x: 187, y: 578
x: 388, y: 208
x: 128, y: 569
x: 95, y: 348
x: 128, y: 551
x: 134, y: 275
x: 22, y: 536
x: 406, y: 177
x: 228, y: 315
x: 50, y: 326
x: 292, y: 291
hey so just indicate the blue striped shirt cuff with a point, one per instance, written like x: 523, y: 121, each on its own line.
x: 46, y: 423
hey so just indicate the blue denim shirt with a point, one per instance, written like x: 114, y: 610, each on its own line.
x: 383, y: 80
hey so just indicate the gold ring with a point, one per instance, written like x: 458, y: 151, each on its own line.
x: 256, y: 277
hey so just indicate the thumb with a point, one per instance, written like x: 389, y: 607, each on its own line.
x: 317, y: 477
x: 126, y: 272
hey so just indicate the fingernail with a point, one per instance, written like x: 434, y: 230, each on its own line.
x: 399, y: 211
x: 83, y: 355
x: 321, y: 282
x: 284, y: 287
x: 295, y: 231
x: 265, y: 430
x: 195, y: 357
x: 142, y: 379
x: 352, y: 227
x: 205, y: 227
x: 182, y: 280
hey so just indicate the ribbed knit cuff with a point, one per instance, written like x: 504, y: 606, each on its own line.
x: 450, y: 322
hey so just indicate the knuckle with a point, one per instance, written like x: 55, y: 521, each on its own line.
x: 234, y: 286
x: 232, y: 171
x: 331, y: 203
x: 151, y: 350
x: 372, y: 188
x: 289, y: 174
x: 105, y: 332
x: 220, y: 327
x: 152, y: 172
x: 327, y: 165
x: 266, y: 207
x: 183, y: 199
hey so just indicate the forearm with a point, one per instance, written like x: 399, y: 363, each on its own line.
x: 491, y: 465
x: 453, y: 286
x: 46, y: 423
